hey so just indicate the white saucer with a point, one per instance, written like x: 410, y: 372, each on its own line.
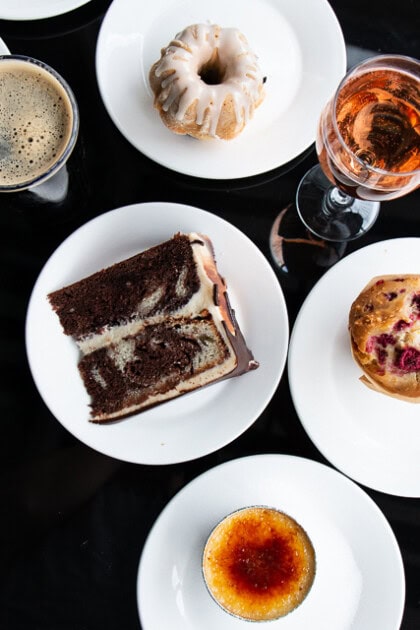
x: 301, y: 51
x: 192, y: 425
x: 37, y: 10
x: 359, y: 581
x: 373, y: 438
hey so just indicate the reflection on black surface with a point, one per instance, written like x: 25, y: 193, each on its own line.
x: 241, y: 184
x: 62, y: 199
x: 300, y: 256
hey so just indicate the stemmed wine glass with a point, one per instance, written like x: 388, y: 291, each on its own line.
x: 368, y: 146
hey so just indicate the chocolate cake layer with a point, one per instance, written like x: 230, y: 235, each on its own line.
x: 159, y: 280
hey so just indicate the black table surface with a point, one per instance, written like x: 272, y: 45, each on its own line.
x: 73, y: 521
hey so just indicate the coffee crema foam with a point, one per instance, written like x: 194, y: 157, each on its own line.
x: 36, y: 121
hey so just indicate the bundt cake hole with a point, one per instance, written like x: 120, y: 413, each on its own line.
x: 213, y: 71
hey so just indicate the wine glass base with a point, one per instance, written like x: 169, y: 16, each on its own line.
x: 300, y: 257
x: 331, y: 214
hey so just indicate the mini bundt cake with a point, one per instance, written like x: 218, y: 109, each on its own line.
x: 384, y: 325
x: 207, y: 82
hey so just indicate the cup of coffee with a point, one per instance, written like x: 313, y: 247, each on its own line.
x: 39, y: 122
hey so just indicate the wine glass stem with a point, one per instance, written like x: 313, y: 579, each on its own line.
x: 335, y: 201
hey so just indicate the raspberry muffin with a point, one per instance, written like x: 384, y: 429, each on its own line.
x: 384, y: 326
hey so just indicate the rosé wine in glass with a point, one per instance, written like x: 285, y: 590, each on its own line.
x: 368, y: 141
x: 368, y: 145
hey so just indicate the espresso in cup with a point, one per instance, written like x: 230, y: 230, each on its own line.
x: 38, y: 122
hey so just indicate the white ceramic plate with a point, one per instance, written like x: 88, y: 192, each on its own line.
x: 373, y: 438
x: 36, y: 9
x: 194, y: 424
x: 359, y: 581
x: 301, y: 51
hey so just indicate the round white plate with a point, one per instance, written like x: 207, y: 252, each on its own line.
x: 359, y: 581
x: 36, y: 9
x: 301, y: 52
x: 194, y: 424
x: 373, y: 438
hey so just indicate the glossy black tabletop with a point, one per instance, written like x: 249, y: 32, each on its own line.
x: 74, y: 521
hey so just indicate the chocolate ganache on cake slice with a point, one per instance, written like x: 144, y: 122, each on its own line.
x: 153, y: 327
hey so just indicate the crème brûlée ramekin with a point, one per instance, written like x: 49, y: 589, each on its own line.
x: 258, y: 563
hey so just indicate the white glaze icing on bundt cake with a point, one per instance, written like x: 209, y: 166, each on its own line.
x: 152, y: 327
x: 384, y: 325
x: 207, y: 82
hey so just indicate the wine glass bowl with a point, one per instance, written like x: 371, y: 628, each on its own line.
x: 368, y: 140
x: 368, y: 146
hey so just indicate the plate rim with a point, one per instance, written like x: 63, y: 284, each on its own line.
x: 175, y: 454
x: 324, y: 281
x: 258, y: 460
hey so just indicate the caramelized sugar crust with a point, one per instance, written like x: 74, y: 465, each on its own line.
x: 259, y: 564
